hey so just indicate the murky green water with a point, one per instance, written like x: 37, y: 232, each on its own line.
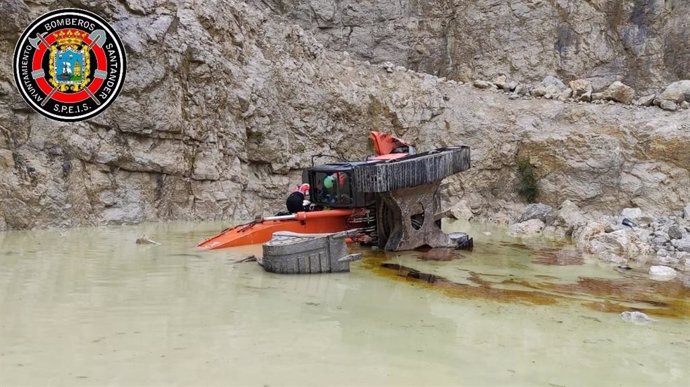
x: 90, y: 307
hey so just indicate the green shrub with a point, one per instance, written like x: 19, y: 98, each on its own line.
x: 528, y: 182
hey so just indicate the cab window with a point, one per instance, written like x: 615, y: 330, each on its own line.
x: 333, y: 189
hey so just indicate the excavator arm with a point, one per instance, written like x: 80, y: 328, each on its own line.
x: 385, y: 144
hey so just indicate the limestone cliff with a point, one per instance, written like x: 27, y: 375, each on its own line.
x: 644, y: 43
x: 223, y: 105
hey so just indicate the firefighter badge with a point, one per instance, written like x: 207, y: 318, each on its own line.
x: 69, y: 65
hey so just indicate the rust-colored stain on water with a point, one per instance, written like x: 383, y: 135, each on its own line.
x: 668, y: 299
x: 454, y: 289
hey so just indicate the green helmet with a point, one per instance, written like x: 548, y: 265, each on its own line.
x: 328, y: 182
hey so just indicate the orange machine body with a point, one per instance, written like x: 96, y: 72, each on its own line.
x: 326, y: 221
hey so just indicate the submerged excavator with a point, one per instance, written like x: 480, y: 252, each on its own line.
x: 391, y: 200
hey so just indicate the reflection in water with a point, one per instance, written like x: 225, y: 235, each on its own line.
x: 90, y: 307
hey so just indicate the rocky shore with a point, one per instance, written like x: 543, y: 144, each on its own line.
x: 674, y: 97
x: 630, y: 237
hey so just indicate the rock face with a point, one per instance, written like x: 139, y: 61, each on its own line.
x: 224, y: 105
x: 552, y: 88
x: 631, y: 213
x: 675, y: 232
x: 582, y: 89
x: 461, y: 211
x: 618, y: 246
x: 619, y: 92
x: 196, y: 133
x: 682, y: 244
x: 677, y: 92
x: 569, y: 217
x: 642, y: 43
x: 538, y: 211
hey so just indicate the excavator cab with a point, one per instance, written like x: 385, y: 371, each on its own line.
x: 333, y: 186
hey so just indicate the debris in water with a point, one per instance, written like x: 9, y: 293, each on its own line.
x: 409, y: 272
x: 251, y: 258
x: 144, y: 240
x: 635, y: 317
x: 482, y: 288
x: 186, y: 255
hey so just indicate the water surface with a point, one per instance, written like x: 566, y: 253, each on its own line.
x: 91, y: 307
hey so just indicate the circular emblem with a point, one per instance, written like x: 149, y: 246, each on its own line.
x: 69, y: 65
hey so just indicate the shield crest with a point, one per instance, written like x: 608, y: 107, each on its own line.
x: 69, y: 67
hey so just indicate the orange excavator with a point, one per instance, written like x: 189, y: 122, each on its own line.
x: 351, y: 195
x: 339, y: 209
